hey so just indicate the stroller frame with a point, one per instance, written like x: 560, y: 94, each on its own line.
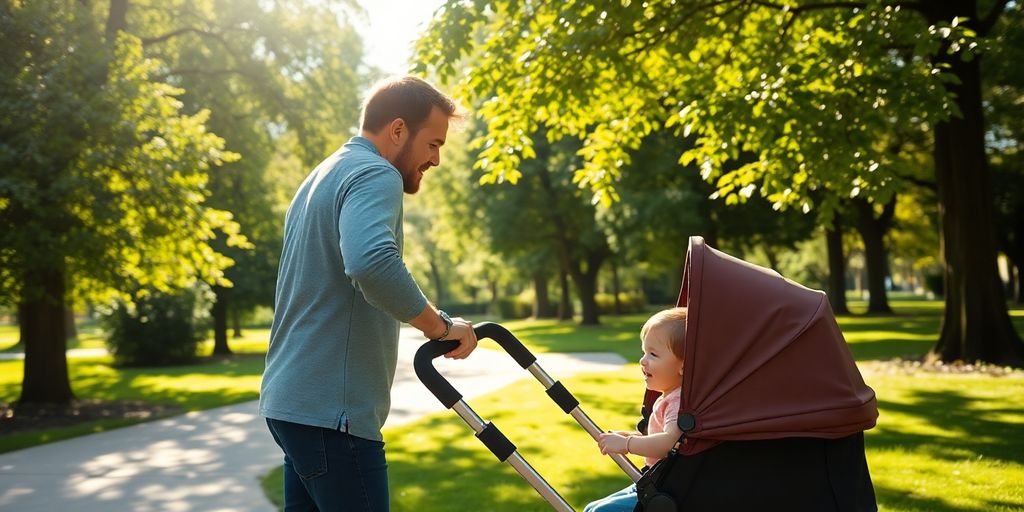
x: 487, y: 432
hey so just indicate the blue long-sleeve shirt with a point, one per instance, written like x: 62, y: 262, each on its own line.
x: 342, y: 291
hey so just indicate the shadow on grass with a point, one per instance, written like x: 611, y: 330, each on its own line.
x: 889, y: 498
x: 975, y: 427
x: 453, y: 477
x: 910, y: 502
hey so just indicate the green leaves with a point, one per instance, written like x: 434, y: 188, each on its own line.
x: 812, y: 90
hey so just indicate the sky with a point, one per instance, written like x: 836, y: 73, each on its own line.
x: 393, y: 26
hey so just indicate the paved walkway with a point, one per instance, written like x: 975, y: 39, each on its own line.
x: 211, y: 460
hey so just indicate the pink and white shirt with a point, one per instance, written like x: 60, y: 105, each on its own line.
x: 665, y: 412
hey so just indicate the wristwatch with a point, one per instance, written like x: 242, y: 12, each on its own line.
x: 447, y: 325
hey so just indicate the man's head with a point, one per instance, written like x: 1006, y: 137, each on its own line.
x: 407, y: 119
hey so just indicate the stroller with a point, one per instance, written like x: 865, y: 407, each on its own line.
x: 772, y: 409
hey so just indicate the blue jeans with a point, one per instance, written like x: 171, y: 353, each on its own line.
x: 328, y: 470
x: 622, y: 501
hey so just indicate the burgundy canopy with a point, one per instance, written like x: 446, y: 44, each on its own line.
x: 764, y: 357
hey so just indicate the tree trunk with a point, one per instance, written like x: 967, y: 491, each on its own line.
x: 615, y: 287
x: 1020, y: 284
x: 46, y: 364
x: 70, y: 330
x: 872, y: 230
x: 565, y: 311
x: 236, y: 322
x: 541, y: 302
x: 435, y: 276
x: 836, y: 267
x: 117, y: 19
x: 220, y: 322
x: 492, y: 285
x: 586, y: 289
x: 22, y: 322
x: 586, y: 284
x: 976, y: 325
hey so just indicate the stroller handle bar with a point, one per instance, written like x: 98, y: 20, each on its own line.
x: 499, y: 445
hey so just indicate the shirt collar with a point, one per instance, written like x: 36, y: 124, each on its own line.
x: 364, y: 143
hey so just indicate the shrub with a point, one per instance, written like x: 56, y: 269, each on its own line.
x: 632, y: 302
x: 157, y: 329
x: 514, y: 307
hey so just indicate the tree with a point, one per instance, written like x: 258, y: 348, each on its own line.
x: 873, y: 225
x: 547, y: 220
x: 811, y: 88
x: 263, y: 69
x: 103, y: 178
x: 836, y: 288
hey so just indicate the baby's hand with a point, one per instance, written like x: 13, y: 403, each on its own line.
x: 612, y: 442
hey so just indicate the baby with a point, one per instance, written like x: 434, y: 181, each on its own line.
x: 662, y: 339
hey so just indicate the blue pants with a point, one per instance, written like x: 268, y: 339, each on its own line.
x: 622, y: 501
x: 328, y: 470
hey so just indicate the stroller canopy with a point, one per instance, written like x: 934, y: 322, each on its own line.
x: 764, y: 357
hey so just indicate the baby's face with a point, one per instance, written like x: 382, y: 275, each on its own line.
x: 662, y: 369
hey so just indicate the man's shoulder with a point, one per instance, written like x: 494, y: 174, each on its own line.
x: 359, y: 162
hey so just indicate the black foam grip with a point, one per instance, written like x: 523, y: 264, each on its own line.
x: 507, y: 340
x: 496, y: 442
x: 563, y: 397
x: 423, y: 363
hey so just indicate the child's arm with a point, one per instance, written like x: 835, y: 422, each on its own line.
x: 654, y: 445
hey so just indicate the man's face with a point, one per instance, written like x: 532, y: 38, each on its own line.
x: 422, y: 150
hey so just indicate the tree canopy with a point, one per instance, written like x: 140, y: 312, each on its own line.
x: 816, y: 91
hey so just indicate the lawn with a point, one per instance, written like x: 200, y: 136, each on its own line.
x: 213, y: 382
x: 944, y: 441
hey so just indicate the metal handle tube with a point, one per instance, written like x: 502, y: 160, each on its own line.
x: 452, y: 399
x: 538, y: 483
x: 624, y: 462
x: 516, y: 460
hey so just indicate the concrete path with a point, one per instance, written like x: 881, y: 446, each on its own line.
x: 211, y: 460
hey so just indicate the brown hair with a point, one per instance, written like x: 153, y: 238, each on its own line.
x: 674, y: 321
x: 408, y: 98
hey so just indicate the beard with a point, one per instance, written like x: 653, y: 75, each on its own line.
x: 410, y: 171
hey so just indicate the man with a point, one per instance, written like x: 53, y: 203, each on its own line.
x: 342, y: 291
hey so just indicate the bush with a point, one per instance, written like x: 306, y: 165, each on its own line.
x: 157, y: 330
x: 514, y: 307
x: 630, y: 303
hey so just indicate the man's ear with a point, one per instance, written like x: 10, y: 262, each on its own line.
x: 397, y: 131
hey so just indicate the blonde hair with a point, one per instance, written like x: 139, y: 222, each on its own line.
x: 674, y: 321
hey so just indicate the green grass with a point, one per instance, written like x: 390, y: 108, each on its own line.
x: 943, y: 441
x: 615, y: 334
x: 212, y: 383
x: 947, y: 442
x: 89, y: 336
